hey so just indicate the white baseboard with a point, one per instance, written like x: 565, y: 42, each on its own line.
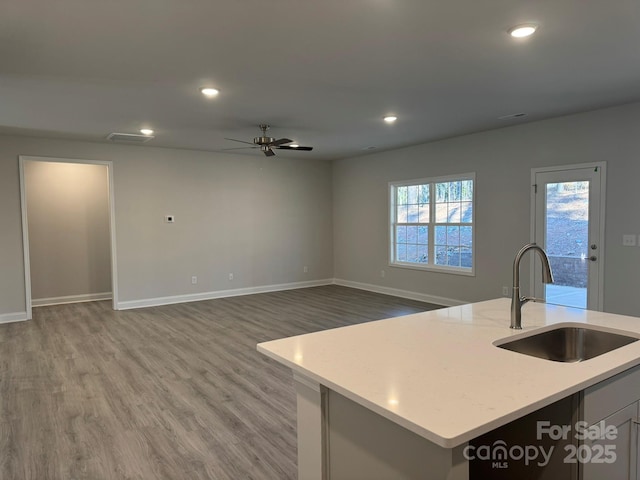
x: 88, y: 297
x: 13, y: 317
x: 196, y: 297
x: 422, y: 297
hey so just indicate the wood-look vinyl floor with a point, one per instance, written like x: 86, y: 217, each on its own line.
x: 173, y: 392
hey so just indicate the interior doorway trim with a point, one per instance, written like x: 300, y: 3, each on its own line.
x: 25, y: 225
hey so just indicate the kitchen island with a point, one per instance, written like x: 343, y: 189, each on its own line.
x: 430, y: 383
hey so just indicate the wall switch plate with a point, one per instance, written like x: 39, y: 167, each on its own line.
x: 629, y: 240
x: 169, y: 218
x: 194, y: 280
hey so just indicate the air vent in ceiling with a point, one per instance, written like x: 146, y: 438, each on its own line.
x: 129, y: 138
x: 513, y: 115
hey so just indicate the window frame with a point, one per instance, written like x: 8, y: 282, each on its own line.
x: 392, y: 222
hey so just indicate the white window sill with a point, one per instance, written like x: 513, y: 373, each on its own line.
x: 467, y: 272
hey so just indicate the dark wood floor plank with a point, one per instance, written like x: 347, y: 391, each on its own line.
x: 172, y: 392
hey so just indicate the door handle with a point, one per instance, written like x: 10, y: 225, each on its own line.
x: 593, y: 258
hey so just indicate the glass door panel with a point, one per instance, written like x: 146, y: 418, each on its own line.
x: 567, y: 242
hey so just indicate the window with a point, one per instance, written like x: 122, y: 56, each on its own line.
x: 432, y: 223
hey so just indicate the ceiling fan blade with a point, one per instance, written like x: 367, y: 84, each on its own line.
x: 280, y: 141
x: 287, y: 147
x: 241, y: 141
x: 238, y: 148
x: 268, y: 152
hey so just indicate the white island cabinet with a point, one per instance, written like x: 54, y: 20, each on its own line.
x: 409, y: 397
x: 611, y: 407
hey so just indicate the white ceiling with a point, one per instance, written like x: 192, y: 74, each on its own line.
x: 321, y: 72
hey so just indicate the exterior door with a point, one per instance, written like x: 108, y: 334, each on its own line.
x: 568, y: 222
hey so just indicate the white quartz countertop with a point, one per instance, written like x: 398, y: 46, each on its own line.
x: 438, y: 373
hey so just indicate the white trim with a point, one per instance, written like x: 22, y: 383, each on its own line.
x: 603, y: 201
x: 569, y: 167
x: 434, y: 268
x: 87, y: 297
x: 112, y: 233
x: 25, y: 240
x: 196, y: 297
x: 443, y: 178
x: 392, y: 217
x: 25, y: 223
x: 13, y: 317
x: 422, y: 297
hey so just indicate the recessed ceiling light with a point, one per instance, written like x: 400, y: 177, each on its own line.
x: 523, y: 30
x: 209, y: 91
x: 146, y: 131
x: 294, y: 145
x: 390, y: 118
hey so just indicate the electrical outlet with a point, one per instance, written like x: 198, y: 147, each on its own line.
x: 230, y: 277
x: 506, y: 292
x: 382, y: 273
x: 629, y: 240
x: 194, y: 280
x: 305, y: 269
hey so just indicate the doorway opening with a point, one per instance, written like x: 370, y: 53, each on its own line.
x: 68, y: 230
x: 568, y: 222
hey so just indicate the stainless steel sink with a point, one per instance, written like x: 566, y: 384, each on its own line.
x: 568, y: 343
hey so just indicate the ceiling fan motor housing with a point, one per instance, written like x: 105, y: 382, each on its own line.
x: 263, y: 140
x: 266, y: 144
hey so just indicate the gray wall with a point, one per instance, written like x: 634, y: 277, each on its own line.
x: 502, y: 160
x: 261, y: 219
x: 69, y: 239
x: 264, y: 219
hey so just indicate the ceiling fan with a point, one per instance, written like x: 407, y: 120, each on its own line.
x: 267, y: 144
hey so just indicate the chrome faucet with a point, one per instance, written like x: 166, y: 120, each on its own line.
x: 516, y: 300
